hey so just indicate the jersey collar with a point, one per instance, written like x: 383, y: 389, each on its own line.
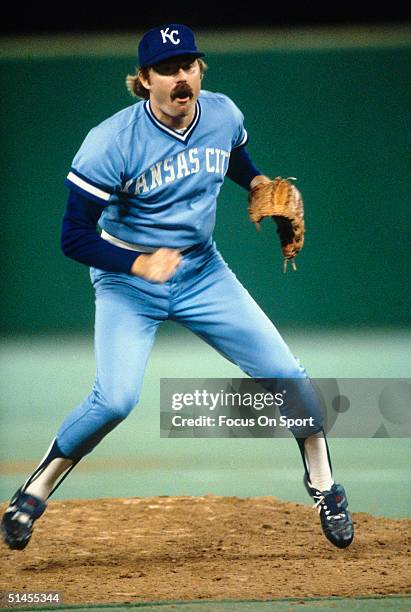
x: 164, y: 128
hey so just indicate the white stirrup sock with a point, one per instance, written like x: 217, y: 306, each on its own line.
x: 316, y: 458
x: 44, y: 482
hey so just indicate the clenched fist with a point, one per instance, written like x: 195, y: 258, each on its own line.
x: 157, y: 267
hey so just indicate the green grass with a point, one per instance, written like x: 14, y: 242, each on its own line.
x: 44, y: 378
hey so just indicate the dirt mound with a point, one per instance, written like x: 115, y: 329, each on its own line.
x: 178, y: 548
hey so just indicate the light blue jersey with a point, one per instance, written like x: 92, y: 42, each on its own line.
x: 159, y: 186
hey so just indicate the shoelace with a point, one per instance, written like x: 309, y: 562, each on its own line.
x: 320, y: 501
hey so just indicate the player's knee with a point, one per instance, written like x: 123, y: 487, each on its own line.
x: 275, y: 369
x: 293, y: 369
x: 114, y: 403
x: 121, y: 406
x: 118, y: 405
x: 285, y: 371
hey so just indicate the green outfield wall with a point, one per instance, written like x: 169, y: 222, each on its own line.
x: 336, y: 118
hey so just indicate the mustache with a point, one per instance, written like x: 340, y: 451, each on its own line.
x: 182, y: 90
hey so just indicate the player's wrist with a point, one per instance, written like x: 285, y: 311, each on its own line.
x: 138, y: 265
x: 260, y: 178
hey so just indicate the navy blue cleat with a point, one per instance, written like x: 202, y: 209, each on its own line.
x: 336, y: 521
x: 17, y: 533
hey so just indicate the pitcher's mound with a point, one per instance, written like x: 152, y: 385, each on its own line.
x: 188, y: 548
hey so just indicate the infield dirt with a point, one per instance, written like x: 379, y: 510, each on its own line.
x: 188, y: 548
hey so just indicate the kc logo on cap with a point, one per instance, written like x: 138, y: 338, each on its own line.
x: 170, y: 36
x: 166, y: 41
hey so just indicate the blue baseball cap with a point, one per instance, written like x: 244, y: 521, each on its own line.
x: 166, y: 41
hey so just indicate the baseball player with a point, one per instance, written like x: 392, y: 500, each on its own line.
x: 140, y: 213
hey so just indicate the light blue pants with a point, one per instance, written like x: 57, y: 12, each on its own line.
x: 205, y: 296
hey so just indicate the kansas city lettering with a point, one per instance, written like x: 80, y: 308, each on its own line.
x: 212, y: 159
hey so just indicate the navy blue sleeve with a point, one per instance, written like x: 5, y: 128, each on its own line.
x: 80, y: 240
x: 241, y: 169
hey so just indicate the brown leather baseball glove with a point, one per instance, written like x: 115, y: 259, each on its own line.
x: 282, y: 201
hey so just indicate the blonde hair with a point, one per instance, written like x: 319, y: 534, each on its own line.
x: 137, y: 89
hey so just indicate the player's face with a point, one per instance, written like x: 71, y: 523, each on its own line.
x: 174, y: 87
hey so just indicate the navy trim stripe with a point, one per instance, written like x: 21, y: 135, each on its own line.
x: 184, y: 138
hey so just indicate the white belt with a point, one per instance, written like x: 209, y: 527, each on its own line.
x: 130, y: 246
x: 127, y: 245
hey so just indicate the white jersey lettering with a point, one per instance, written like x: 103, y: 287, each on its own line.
x: 209, y: 152
x: 141, y: 184
x: 169, y: 168
x: 156, y: 178
x: 192, y: 154
x: 182, y: 166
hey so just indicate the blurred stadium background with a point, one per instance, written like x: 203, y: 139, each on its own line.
x: 326, y: 102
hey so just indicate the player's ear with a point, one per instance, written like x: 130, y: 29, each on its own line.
x: 144, y: 77
x: 202, y: 66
